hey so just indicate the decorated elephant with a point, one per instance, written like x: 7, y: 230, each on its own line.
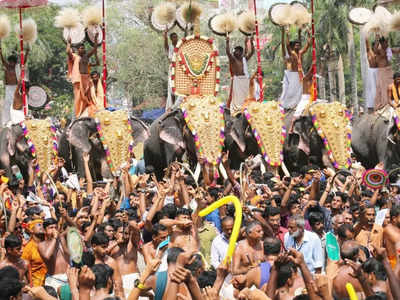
x: 14, y: 150
x: 82, y: 137
x: 376, y: 138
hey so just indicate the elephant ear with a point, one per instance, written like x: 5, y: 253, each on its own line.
x: 80, y: 132
x: 171, y: 131
x: 11, y: 141
x: 140, y: 131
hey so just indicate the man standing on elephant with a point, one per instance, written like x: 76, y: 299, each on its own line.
x: 383, y: 56
x: 293, y: 78
x: 240, y: 75
x: 10, y: 78
x: 394, y: 89
x: 96, y: 90
x: 78, y: 73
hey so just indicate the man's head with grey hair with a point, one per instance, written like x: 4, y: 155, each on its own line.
x: 254, y: 231
x: 296, y: 226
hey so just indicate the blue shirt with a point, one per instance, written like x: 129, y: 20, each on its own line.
x: 214, y: 218
x: 310, y: 247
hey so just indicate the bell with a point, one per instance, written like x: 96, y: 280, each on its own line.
x: 268, y: 121
x: 192, y: 105
x: 212, y: 100
x: 119, y: 134
x: 33, y: 125
x: 341, y: 112
x: 254, y: 109
x: 107, y: 121
x: 335, y: 124
x: 274, y: 105
x: 322, y: 114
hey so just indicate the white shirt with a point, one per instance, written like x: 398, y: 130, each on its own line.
x: 219, y: 248
x: 310, y: 247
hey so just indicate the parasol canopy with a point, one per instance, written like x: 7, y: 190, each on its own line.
x: 22, y: 3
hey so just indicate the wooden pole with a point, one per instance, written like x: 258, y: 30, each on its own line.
x: 314, y: 56
x: 104, y: 55
x: 258, y: 55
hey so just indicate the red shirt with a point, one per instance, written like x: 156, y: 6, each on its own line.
x: 281, y: 236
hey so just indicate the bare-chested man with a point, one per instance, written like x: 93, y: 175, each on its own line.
x: 250, y: 251
x: 54, y: 252
x: 240, y: 75
x: 383, y: 56
x: 13, y: 246
x: 159, y: 234
x: 78, y: 72
x: 184, y: 234
x: 125, y: 254
x: 11, y: 80
x: 100, y: 245
x: 16, y: 112
x: 391, y: 236
x: 292, y: 82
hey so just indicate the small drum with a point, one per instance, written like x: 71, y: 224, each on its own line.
x: 77, y: 34
x: 274, y: 10
x: 180, y: 20
x: 91, y: 34
x: 359, y: 15
x: 75, y: 245
x: 37, y: 97
x: 211, y: 22
x: 158, y: 27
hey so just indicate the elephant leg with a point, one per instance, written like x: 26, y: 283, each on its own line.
x: 5, y: 163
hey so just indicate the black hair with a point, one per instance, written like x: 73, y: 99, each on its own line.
x: 157, y: 228
x: 272, y: 246
x: 315, y: 217
x: 34, y: 210
x: 292, y: 202
x: 103, y: 273
x: 51, y: 291
x: 213, y: 192
x: 189, y: 180
x: 350, y: 252
x: 103, y: 226
x: 207, y: 278
x: 49, y: 221
x: 10, y: 287
x: 12, y: 58
x: 173, y: 254
x: 184, y: 211
x: 88, y: 258
x: 302, y: 297
x: 396, y: 75
x: 226, y: 218
x: 94, y: 73
x: 343, y: 229
x: 377, y: 296
x: 85, y: 225
x: 169, y: 210
x: 240, y: 48
x: 273, y: 211
x: 195, y: 265
x: 12, y: 241
x: 284, y: 273
x: 99, y: 238
x: 172, y: 34
x: 9, y: 272
x: 395, y: 211
x: 374, y: 266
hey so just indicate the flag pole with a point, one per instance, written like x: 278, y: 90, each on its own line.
x: 314, y: 56
x: 22, y: 75
x: 258, y: 55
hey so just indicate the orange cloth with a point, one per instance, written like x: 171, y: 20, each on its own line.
x: 81, y: 83
x: 393, y: 261
x: 97, y: 94
x: 395, y: 94
x: 38, y: 267
x: 33, y: 223
x: 373, y: 237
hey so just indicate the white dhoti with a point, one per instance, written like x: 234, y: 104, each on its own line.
x: 7, y: 104
x: 170, y: 94
x: 370, y: 92
x: 16, y: 116
x: 128, y: 282
x: 292, y: 90
x: 240, y: 91
x: 305, y: 99
x: 56, y: 280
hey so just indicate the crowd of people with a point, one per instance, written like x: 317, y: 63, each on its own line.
x: 143, y: 238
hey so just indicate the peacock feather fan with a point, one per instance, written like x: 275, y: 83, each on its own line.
x: 247, y: 22
x: 29, y: 30
x: 5, y: 26
x: 191, y: 11
x: 91, y: 16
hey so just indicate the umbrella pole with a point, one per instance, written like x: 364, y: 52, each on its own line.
x: 104, y: 56
x: 258, y: 56
x: 22, y: 75
x: 314, y: 56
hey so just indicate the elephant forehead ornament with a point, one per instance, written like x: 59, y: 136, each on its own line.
x: 195, y: 67
x: 204, y: 116
x: 42, y: 141
x: 332, y: 122
x: 266, y: 121
x: 115, y: 133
